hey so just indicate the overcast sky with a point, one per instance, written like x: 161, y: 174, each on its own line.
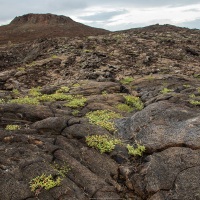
x: 110, y: 14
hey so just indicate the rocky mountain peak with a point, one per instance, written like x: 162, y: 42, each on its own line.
x: 41, y: 19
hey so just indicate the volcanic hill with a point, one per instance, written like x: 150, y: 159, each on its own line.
x: 32, y: 26
x: 109, y: 116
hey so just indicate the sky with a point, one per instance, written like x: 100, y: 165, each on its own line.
x: 110, y: 14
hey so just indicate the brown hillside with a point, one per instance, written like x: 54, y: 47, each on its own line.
x: 33, y: 26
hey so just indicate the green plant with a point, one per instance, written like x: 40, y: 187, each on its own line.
x: 196, y: 75
x: 62, y: 170
x: 127, y: 80
x: 11, y: 127
x: 104, y: 93
x: 21, y: 69
x: 2, y: 101
x: 134, y: 102
x: 166, y: 90
x: 136, y: 151
x: 193, y: 102
x: 186, y: 86
x: 192, y: 95
x: 24, y: 100
x: 198, y: 89
x: 16, y: 92
x: 76, y: 102
x: 34, y: 92
x: 54, y: 56
x: 76, y: 85
x: 124, y: 107
x: 64, y: 89
x: 44, y: 182
x: 103, y: 143
x: 75, y: 112
x: 102, y: 118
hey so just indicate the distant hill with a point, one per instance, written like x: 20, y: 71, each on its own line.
x: 33, y: 26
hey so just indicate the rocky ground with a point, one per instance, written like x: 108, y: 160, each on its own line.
x: 147, y: 79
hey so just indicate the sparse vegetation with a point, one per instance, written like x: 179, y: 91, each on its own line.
x: 34, y: 92
x: 166, y: 91
x: 124, y: 107
x: 75, y: 112
x: 134, y: 102
x: 127, y: 80
x: 136, y: 151
x: 63, y: 89
x: 24, y: 100
x: 103, y: 118
x: 193, y: 102
x: 62, y: 170
x: 11, y: 127
x: 103, y: 143
x: 76, y: 102
x: 44, y: 182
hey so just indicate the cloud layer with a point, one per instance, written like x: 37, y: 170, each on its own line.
x: 112, y: 14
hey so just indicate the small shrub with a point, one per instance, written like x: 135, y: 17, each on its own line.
x: 102, y: 118
x: 62, y: 170
x: 63, y: 89
x: 76, y: 85
x: 134, y: 102
x: 126, y: 80
x: 44, y: 182
x: 76, y: 102
x: 192, y: 96
x: 34, y: 92
x: 103, y: 143
x: 196, y: 103
x: 166, y: 90
x: 24, y: 100
x: 2, y: 101
x: 15, y: 92
x: 186, y: 86
x: 124, y: 107
x: 135, y: 151
x: 75, y: 112
x: 21, y: 69
x: 11, y: 127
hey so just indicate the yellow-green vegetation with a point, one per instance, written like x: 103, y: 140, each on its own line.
x: 75, y: 112
x: 196, y: 75
x: 15, y: 92
x: 186, y: 86
x: 63, y: 89
x: 127, y: 80
x: 11, y: 127
x: 104, y: 93
x: 192, y: 95
x: 62, y: 170
x: 150, y: 78
x: 76, y: 85
x: 124, y: 107
x: 134, y: 102
x: 44, y: 182
x: 166, y: 90
x: 21, y: 69
x: 2, y: 101
x: 103, y: 143
x: 136, y: 151
x: 55, y: 97
x: 54, y: 56
x: 102, y: 118
x: 34, y: 92
x: 198, y: 89
x: 25, y: 100
x: 196, y: 103
x: 76, y: 102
